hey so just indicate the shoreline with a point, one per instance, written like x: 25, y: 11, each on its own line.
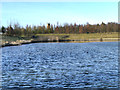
x: 22, y: 42
x: 58, y: 38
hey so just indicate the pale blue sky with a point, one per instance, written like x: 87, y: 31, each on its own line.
x: 39, y: 13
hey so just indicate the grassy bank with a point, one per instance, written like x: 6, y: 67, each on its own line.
x: 91, y: 37
x: 83, y: 36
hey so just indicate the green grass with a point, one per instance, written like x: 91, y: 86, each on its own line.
x: 93, y: 36
x: 61, y: 36
x: 84, y: 36
x: 11, y: 38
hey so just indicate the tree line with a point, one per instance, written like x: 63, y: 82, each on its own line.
x: 17, y: 30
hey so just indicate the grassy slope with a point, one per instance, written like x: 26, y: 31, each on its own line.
x: 94, y: 36
x: 10, y: 38
x: 71, y: 36
x: 85, y: 36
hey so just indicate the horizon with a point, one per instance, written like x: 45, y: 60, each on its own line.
x: 41, y: 13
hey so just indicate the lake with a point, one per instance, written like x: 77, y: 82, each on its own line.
x: 60, y: 65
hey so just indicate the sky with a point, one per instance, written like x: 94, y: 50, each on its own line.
x: 41, y: 13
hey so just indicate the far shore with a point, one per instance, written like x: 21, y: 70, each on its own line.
x: 58, y: 38
x: 18, y: 43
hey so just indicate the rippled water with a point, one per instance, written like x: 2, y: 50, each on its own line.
x: 75, y: 65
